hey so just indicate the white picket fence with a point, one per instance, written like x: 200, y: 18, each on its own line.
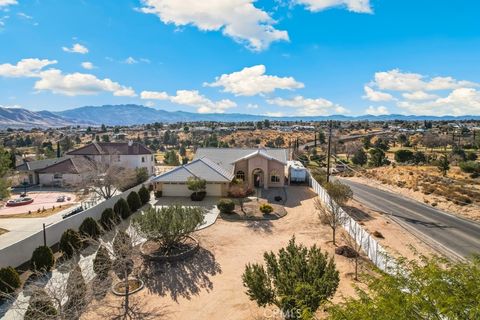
x: 375, y: 252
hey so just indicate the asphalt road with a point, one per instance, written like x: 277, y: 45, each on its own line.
x: 455, y: 235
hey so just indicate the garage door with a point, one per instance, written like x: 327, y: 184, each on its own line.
x: 214, y: 190
x: 176, y: 190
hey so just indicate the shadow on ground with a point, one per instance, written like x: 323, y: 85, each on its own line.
x: 260, y: 226
x: 181, y: 279
x: 357, y: 214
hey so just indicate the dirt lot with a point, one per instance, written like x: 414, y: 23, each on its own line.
x: 209, y: 285
x: 457, y: 193
x: 248, y: 138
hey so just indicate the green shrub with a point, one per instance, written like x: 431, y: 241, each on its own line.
x: 70, y: 242
x: 102, y: 263
x: 158, y: 194
x: 109, y: 219
x: 42, y: 259
x: 144, y: 195
x: 226, y: 206
x: 90, y: 228
x: 472, y: 156
x: 266, y: 208
x: 9, y: 280
x: 40, y: 307
x: 134, y: 201
x: 403, y: 156
x: 470, y: 166
x: 122, y: 209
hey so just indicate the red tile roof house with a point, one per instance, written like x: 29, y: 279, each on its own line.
x: 67, y: 171
x: 257, y: 168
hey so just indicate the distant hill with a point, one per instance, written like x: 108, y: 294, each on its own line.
x: 132, y: 114
x: 23, y: 118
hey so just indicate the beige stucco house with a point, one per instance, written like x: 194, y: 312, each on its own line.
x: 257, y: 168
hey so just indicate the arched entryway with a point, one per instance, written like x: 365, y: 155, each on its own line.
x: 258, y: 178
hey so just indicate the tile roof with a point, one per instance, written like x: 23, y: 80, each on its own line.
x: 202, y: 168
x: 122, y: 148
x: 226, y: 157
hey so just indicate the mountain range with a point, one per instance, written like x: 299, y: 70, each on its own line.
x: 137, y: 114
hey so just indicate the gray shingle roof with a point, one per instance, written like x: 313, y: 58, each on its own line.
x: 202, y: 168
x: 226, y: 157
x: 39, y: 164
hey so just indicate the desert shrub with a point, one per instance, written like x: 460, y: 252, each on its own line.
x: 40, y: 307
x: 42, y: 259
x: 198, y: 196
x: 168, y: 225
x: 470, y: 166
x: 266, y: 208
x: 134, y: 202
x: 9, y: 280
x: 403, y: 156
x: 122, y: 209
x: 108, y: 219
x: 144, y: 195
x: 359, y: 157
x: 226, y: 205
x: 158, y: 194
x: 70, y: 242
x: 102, y: 262
x: 90, y: 228
x: 197, y: 185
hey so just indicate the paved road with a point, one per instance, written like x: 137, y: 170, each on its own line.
x: 454, y: 234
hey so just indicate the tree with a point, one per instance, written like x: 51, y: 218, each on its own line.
x: 104, y: 178
x: 169, y: 225
x: 419, y: 157
x: 298, y: 280
x: 330, y: 212
x: 239, y: 192
x: 5, y: 163
x: 109, y: 219
x: 144, y: 195
x: 134, y: 201
x: 443, y: 165
x: 377, y: 157
x: 359, y: 157
x: 432, y: 288
x: 367, y: 142
x: 70, y: 243
x: 141, y: 175
x: 403, y: 156
x: 122, y: 209
x: 42, y: 259
x: 9, y: 281
x: 196, y: 185
x: 90, y: 228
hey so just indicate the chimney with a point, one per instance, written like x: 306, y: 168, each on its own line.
x: 130, y: 143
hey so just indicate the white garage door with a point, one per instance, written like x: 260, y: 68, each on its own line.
x: 176, y: 190
x: 214, y: 190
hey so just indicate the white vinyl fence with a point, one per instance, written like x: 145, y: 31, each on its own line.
x: 378, y: 255
x: 21, y: 251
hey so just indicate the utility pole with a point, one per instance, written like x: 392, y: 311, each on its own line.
x: 44, y: 236
x: 329, y: 149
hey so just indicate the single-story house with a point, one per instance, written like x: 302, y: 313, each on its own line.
x: 257, y: 168
x: 61, y: 174
x: 30, y: 168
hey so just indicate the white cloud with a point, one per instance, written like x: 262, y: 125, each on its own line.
x: 75, y: 84
x: 359, y: 6
x: 191, y: 98
x: 377, y: 111
x: 419, y: 95
x: 252, y: 106
x: 5, y: 3
x: 150, y: 104
x: 76, y: 48
x: 251, y: 81
x: 376, y: 96
x: 24, y: 68
x: 88, y: 65
x: 237, y: 19
x: 130, y: 60
x: 309, y: 107
x: 462, y: 101
x: 397, y: 80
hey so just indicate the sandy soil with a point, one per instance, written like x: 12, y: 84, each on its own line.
x: 398, y: 181
x: 209, y: 286
x: 247, y: 138
x: 41, y: 200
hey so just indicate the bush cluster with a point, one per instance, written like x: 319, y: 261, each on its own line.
x: 134, y: 202
x: 109, y: 219
x: 9, y: 280
x: 90, y: 228
x: 42, y: 259
x: 266, y: 208
x: 122, y: 209
x: 70, y: 242
x: 144, y: 195
x: 226, y: 205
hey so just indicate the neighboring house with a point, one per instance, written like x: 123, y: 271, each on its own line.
x: 30, y: 169
x: 66, y: 170
x: 258, y: 168
x: 131, y: 155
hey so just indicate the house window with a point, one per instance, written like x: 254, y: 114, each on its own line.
x: 57, y: 176
x: 274, y: 177
x: 143, y: 159
x: 240, y: 175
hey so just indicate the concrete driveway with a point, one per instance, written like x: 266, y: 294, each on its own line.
x: 209, y: 204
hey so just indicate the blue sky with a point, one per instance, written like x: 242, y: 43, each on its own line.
x: 278, y: 57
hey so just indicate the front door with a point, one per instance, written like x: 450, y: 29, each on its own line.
x: 258, y: 178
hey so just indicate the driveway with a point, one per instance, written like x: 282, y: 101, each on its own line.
x: 209, y: 204
x: 451, y: 234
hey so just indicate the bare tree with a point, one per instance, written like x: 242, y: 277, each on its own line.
x: 354, y: 240
x: 330, y: 212
x: 104, y: 178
